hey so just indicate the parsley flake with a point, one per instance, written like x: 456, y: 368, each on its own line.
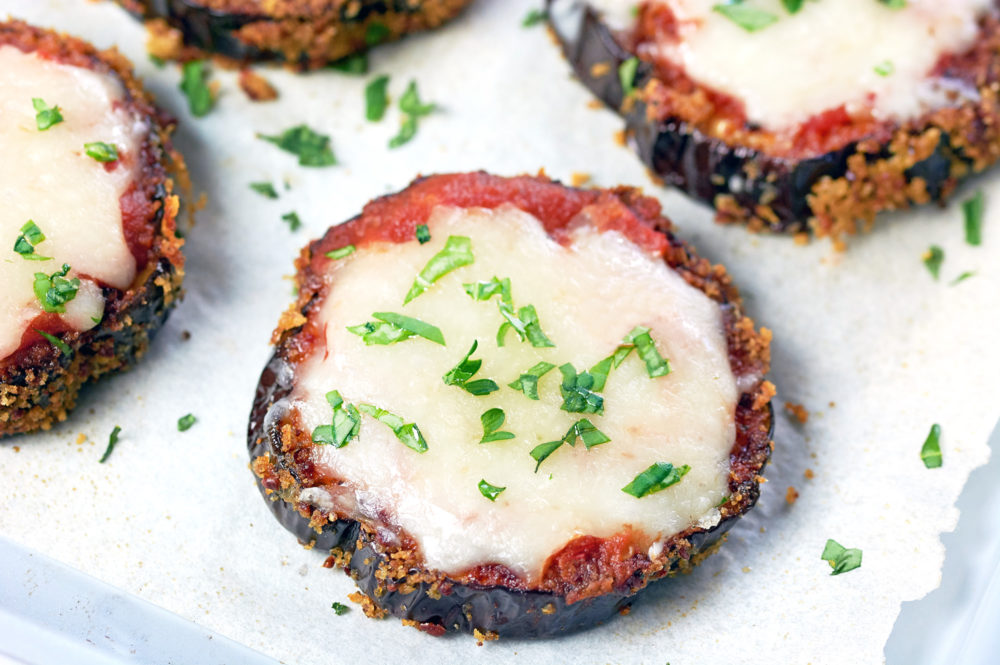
x: 524, y: 321
x: 527, y: 383
x: 456, y: 253
x: 840, y: 558
x: 346, y: 423
x: 293, y: 221
x: 972, y: 209
x: 961, y: 278
x: 54, y: 291
x: 656, y: 478
x: 577, y: 393
x: 626, y: 75
x: 340, y: 252
x: 312, y: 148
x: 933, y: 258
x: 489, y: 491
x: 885, y: 68
x: 339, y: 608
x: 45, y: 116
x: 534, y: 17
x: 894, y: 4
x: 376, y: 98
x: 101, y: 152
x: 62, y: 346
x: 656, y: 365
x: 195, y: 87
x: 396, y: 328
x: 30, y: 237
x: 412, y: 109
x: 265, y: 189
x: 792, y: 6
x: 112, y: 442
x: 356, y: 64
x: 423, y: 234
x: 460, y: 374
x: 376, y: 33
x: 408, y: 433
x: 930, y: 453
x: 582, y: 429
x: 492, y: 421
x: 184, y: 423
x: 748, y: 18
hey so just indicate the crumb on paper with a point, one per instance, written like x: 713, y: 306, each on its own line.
x: 578, y: 179
x: 185, y: 335
x: 620, y: 137
x: 801, y: 238
x: 81, y: 438
x: 600, y: 69
x: 17, y: 449
x: 791, y: 495
x: 368, y: 606
x: 798, y: 411
x: 595, y: 105
x: 256, y: 87
x: 163, y: 41
x: 809, y: 474
x: 487, y: 636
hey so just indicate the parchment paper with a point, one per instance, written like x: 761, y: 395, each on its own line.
x: 867, y: 341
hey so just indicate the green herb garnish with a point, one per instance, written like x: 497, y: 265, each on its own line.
x: 457, y: 252
x: 492, y: 421
x: 491, y: 492
x: 972, y: 209
x: 339, y: 608
x: 626, y: 75
x: 184, y: 423
x: 356, y: 63
x: 933, y: 258
x: 312, y: 148
x: 527, y: 383
x: 582, y: 429
x: 894, y: 4
x: 460, y: 374
x: 656, y: 478
x: 577, y: 393
x: 293, y: 221
x: 374, y: 333
x: 376, y: 98
x: 45, y: 115
x: 346, y: 423
x: 29, y: 238
x: 748, y: 18
x: 407, y: 130
x: 961, y: 278
x: 340, y: 252
x: 792, y: 6
x: 379, y: 332
x: 101, y: 152
x: 412, y: 108
x: 112, y: 442
x: 542, y: 451
x: 656, y: 365
x: 264, y: 189
x: 601, y: 370
x: 157, y: 61
x: 930, y: 453
x: 885, y: 68
x: 524, y: 322
x: 54, y: 291
x: 195, y: 87
x: 62, y: 346
x: 408, y: 433
x: 840, y: 558
x: 423, y: 234
x: 533, y: 17
x: 376, y: 33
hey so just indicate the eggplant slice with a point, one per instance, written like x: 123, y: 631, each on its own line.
x: 41, y: 379
x: 590, y: 578
x: 304, y: 34
x: 832, y: 192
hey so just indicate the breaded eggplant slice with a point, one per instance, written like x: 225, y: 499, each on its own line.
x: 91, y: 264
x: 305, y: 34
x: 740, y: 120
x: 454, y: 490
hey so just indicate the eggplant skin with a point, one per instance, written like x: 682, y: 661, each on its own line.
x: 304, y: 34
x: 391, y: 577
x: 835, y: 194
x: 39, y: 385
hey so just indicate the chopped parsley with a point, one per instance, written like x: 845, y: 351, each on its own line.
x: 582, y: 429
x: 54, y: 291
x: 339, y: 608
x: 626, y: 75
x: 184, y: 423
x: 534, y: 17
x: 840, y: 558
x: 933, y: 258
x: 340, y: 252
x: 460, y: 375
x: 396, y: 328
x: 930, y: 453
x: 524, y: 322
x: 894, y: 4
x: 346, y: 423
x: 112, y: 442
x: 527, y: 383
x: 656, y: 478
x: 748, y: 18
x: 961, y: 278
x: 195, y: 87
x: 376, y: 33
x: 412, y: 109
x: 408, y: 433
x: 376, y: 98
x: 972, y: 209
x: 577, y: 393
x: 456, y: 253
x: 492, y: 421
x: 30, y: 237
x: 293, y: 221
x: 656, y: 365
x: 62, y: 346
x: 265, y: 189
x: 45, y: 115
x: 101, y: 152
x: 312, y: 148
x: 356, y: 63
x: 601, y: 370
x: 792, y: 6
x: 885, y: 68
x: 491, y: 492
x: 423, y: 234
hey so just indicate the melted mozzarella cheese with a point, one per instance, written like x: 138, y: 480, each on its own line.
x: 824, y: 56
x: 588, y: 296
x: 46, y: 176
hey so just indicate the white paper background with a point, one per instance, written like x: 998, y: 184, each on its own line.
x: 176, y: 518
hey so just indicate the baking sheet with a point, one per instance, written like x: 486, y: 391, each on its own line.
x: 867, y: 341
